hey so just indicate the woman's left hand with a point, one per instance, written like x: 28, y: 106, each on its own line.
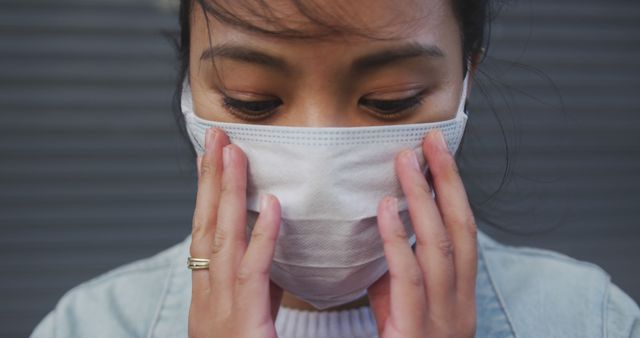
x: 430, y: 293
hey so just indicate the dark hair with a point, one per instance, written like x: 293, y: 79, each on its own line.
x: 474, y: 18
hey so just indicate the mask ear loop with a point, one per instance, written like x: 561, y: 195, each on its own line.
x: 186, y: 101
x: 464, y: 101
x: 462, y: 106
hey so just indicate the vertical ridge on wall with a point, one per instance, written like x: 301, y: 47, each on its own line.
x: 93, y: 173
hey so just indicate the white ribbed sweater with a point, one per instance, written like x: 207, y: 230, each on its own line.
x: 354, y: 323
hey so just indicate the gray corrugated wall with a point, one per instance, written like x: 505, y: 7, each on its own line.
x: 93, y: 173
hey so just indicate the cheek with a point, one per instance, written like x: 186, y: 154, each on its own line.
x: 441, y: 105
x: 204, y: 104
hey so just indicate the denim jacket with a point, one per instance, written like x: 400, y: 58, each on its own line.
x: 520, y: 292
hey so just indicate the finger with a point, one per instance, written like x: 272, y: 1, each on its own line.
x: 204, y: 215
x: 276, y: 298
x: 199, y: 164
x: 433, y: 246
x: 379, y: 299
x: 253, y: 274
x: 408, y: 303
x: 453, y: 203
x: 229, y: 241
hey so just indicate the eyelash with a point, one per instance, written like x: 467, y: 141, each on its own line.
x: 401, y: 106
x: 247, y: 109
x: 241, y: 109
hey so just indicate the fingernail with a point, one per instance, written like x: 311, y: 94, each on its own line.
x: 410, y: 158
x: 440, y: 141
x: 226, y: 156
x: 263, y: 202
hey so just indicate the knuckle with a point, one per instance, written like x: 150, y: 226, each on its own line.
x: 398, y: 236
x: 244, y: 276
x: 449, y: 163
x: 395, y: 236
x: 258, y: 236
x: 419, y: 188
x: 414, y: 278
x: 227, y: 187
x: 472, y: 227
x: 447, y: 166
x: 197, y: 227
x: 453, y: 166
x: 218, y: 242
x: 424, y: 187
x: 421, y: 242
x: 207, y: 168
x: 445, y: 246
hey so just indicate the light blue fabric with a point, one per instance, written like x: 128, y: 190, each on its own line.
x: 521, y: 292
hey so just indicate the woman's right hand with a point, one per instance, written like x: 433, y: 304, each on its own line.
x: 234, y: 297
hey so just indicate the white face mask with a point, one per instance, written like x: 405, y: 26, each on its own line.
x: 329, y: 182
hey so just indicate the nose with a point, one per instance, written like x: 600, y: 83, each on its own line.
x: 320, y: 112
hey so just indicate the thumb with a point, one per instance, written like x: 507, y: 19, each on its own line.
x: 379, y: 299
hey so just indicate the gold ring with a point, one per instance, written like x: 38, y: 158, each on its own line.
x: 197, y: 263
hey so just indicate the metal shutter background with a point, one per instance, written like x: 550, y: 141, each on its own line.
x: 93, y: 173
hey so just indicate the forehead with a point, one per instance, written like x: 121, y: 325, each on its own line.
x: 324, y: 20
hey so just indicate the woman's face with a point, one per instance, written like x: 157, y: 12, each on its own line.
x: 344, y: 81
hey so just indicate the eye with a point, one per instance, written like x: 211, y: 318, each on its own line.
x: 390, y: 109
x: 250, y: 110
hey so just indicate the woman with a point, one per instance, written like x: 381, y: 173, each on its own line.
x: 314, y: 124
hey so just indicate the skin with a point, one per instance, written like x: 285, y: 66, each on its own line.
x: 429, y: 292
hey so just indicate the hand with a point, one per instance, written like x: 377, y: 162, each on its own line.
x: 234, y: 297
x: 430, y: 293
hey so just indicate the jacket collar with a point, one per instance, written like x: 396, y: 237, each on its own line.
x: 172, y: 316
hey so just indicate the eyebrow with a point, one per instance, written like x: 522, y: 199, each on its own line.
x: 245, y: 54
x: 395, y: 54
x: 361, y: 64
